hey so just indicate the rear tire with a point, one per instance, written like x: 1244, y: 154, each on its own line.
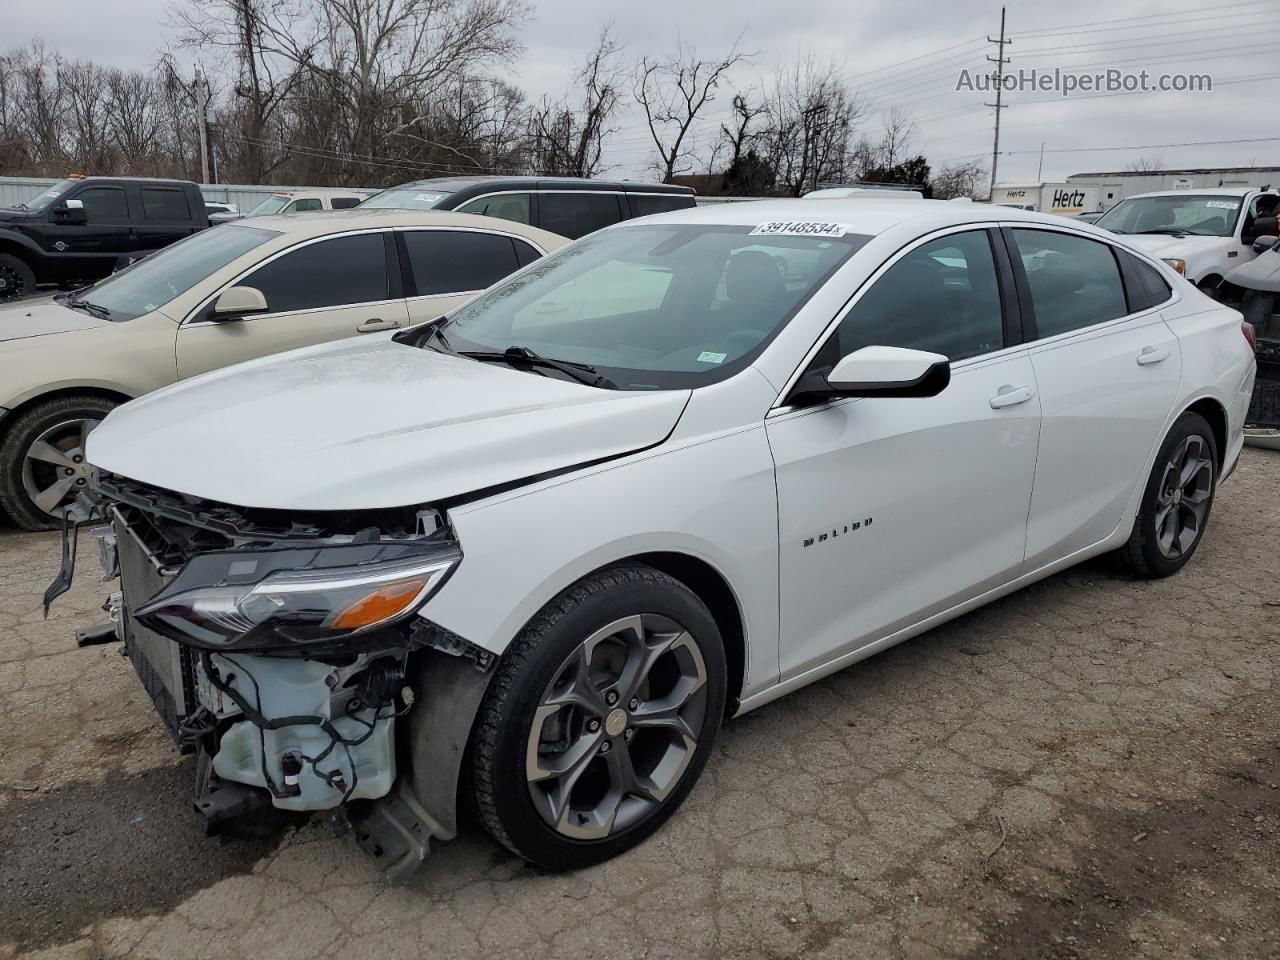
x: 580, y: 749
x: 59, y: 425
x: 17, y: 279
x: 1177, y: 500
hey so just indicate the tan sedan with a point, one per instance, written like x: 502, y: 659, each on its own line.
x: 230, y: 293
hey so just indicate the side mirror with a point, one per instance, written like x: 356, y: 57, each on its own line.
x: 877, y: 372
x: 890, y: 372
x: 1263, y: 244
x: 71, y: 211
x: 237, y: 302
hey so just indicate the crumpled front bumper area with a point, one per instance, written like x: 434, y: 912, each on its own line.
x: 230, y: 620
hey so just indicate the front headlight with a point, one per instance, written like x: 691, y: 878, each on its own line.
x: 276, y: 599
x: 1179, y: 265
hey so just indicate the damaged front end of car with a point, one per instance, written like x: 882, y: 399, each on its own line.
x: 285, y: 651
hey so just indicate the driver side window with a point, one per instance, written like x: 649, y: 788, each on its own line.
x: 943, y: 297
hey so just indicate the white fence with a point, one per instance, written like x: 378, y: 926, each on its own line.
x: 245, y: 196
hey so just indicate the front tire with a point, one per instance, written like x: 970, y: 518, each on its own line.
x: 17, y: 279
x: 600, y: 718
x: 42, y: 464
x: 1175, y: 506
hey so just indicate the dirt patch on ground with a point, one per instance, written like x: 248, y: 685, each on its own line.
x: 126, y: 846
x: 1194, y: 875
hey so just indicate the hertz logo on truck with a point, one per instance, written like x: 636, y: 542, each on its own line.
x: 1067, y: 199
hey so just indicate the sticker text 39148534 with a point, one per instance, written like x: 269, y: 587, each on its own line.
x: 801, y: 228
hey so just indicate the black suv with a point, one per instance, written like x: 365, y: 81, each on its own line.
x: 568, y: 206
x: 79, y: 229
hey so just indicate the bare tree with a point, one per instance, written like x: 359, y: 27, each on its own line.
x: 812, y: 119
x: 896, y: 139
x: 966, y: 178
x: 568, y: 139
x: 736, y: 135
x: 672, y: 91
x: 1146, y: 164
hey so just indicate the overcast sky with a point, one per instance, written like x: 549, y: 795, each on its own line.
x: 910, y: 54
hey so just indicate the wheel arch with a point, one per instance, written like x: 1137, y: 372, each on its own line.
x: 58, y: 393
x: 1216, y: 415
x: 713, y: 589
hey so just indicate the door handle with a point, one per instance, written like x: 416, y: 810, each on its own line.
x: 1009, y: 396
x: 1150, y: 355
x: 375, y: 324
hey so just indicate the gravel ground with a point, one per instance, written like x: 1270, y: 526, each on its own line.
x: 1090, y: 768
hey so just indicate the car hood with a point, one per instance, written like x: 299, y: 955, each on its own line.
x: 1165, y: 245
x: 36, y: 318
x: 10, y: 214
x: 370, y: 423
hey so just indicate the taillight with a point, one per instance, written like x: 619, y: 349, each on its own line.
x: 1250, y: 334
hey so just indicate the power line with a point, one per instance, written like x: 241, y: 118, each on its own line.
x: 1166, y: 19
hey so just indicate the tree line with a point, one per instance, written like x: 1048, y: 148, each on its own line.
x: 377, y: 92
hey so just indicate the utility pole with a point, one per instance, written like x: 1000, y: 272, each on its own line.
x: 202, y: 104
x: 999, y: 60
x: 1040, y: 169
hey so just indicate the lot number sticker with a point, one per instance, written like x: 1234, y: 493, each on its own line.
x: 800, y: 228
x: 1223, y: 204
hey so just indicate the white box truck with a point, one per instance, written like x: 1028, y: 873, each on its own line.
x: 1064, y: 199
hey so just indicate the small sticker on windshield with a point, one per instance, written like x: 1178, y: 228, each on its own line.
x: 1223, y: 204
x: 429, y: 197
x: 706, y: 356
x: 801, y: 228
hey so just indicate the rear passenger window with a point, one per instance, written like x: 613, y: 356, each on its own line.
x: 1144, y: 285
x: 575, y: 215
x: 343, y: 203
x: 643, y: 204
x: 525, y: 254
x: 457, y: 261
x: 163, y: 204
x: 330, y: 273
x: 943, y: 297
x: 104, y: 205
x: 304, y: 206
x: 1074, y: 282
x: 504, y: 206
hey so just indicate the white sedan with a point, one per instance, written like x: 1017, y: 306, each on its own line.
x: 535, y: 552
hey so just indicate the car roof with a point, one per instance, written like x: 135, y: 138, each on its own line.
x: 1198, y: 192
x: 324, y: 222
x: 494, y: 182
x: 864, y: 215
x: 294, y: 194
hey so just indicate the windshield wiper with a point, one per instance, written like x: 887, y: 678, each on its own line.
x: 101, y: 312
x: 420, y: 335
x: 1171, y: 231
x: 517, y: 356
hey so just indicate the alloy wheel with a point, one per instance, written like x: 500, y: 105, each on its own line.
x: 1182, y: 502
x: 12, y: 284
x: 617, y: 727
x: 54, y: 468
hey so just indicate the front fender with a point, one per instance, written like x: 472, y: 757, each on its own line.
x: 10, y: 237
x: 713, y: 499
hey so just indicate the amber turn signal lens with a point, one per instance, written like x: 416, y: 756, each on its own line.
x: 385, y: 603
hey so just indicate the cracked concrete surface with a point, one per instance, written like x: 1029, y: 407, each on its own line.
x: 1090, y: 768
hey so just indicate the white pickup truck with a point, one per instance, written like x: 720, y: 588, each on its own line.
x: 1200, y: 233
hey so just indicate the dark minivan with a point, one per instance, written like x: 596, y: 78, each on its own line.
x: 568, y: 206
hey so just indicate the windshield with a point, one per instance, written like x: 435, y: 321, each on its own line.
x: 1206, y: 216
x: 46, y: 199
x: 155, y: 280
x: 659, y: 306
x: 270, y: 205
x: 405, y: 199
